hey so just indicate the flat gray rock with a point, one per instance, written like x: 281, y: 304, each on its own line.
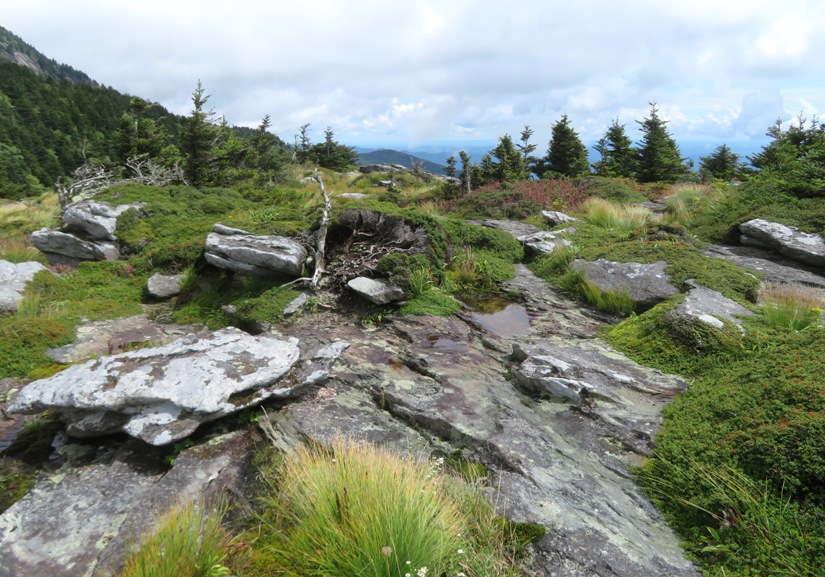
x: 377, y: 291
x: 786, y: 240
x: 239, y: 251
x: 647, y: 284
x: 13, y: 279
x: 162, y: 394
x: 711, y: 307
x: 513, y: 227
x: 65, y: 248
x: 97, y: 220
x: 81, y: 519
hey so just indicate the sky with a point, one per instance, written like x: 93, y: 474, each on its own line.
x: 442, y: 74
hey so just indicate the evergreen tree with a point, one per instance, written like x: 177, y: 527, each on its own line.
x: 141, y: 135
x: 199, y: 139
x: 466, y: 176
x: 795, y: 157
x: 658, y: 155
x: 722, y: 164
x: 333, y: 155
x: 504, y: 163
x: 566, y: 155
x: 303, y: 145
x: 617, y: 155
x: 527, y: 150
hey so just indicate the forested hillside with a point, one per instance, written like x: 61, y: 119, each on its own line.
x: 50, y: 127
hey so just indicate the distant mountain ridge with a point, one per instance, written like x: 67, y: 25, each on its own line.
x: 388, y: 156
x: 14, y: 49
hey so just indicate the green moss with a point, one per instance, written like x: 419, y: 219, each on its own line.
x: 23, y: 343
x: 22, y: 459
x: 268, y: 307
x: 431, y: 302
x: 520, y: 535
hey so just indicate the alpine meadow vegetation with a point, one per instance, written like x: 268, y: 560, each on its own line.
x: 739, y: 464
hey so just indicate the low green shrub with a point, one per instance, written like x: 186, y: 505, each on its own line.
x: 431, y: 302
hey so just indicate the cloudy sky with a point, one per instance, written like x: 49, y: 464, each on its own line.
x: 418, y: 73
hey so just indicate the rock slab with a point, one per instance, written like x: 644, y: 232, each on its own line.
x: 711, y: 307
x: 65, y: 248
x: 239, y: 251
x: 786, y: 240
x: 13, y: 279
x: 647, y: 284
x: 545, y: 242
x: 96, y: 220
x: 162, y: 394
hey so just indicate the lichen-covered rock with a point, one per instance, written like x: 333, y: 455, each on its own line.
x: 162, y: 394
x: 646, y: 284
x: 13, y: 279
x: 786, y: 240
x: 97, y: 220
x: 81, y: 519
x: 710, y: 307
x: 239, y: 251
x: 377, y: 291
x: 545, y: 242
x: 555, y: 218
x: 164, y: 286
x: 65, y: 248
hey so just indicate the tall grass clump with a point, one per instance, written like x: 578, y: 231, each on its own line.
x: 360, y: 510
x: 187, y: 541
x: 605, y: 214
x: 790, y: 305
x: 614, y: 302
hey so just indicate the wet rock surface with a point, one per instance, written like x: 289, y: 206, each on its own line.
x: 426, y: 383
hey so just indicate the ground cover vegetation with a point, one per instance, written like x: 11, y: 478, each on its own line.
x: 739, y: 466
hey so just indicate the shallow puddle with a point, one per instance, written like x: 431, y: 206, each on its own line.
x: 500, y: 317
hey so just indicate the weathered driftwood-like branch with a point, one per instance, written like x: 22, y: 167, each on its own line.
x: 91, y: 179
x: 321, y: 243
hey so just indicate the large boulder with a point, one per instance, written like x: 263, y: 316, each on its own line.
x: 647, y: 284
x: 786, y: 240
x: 162, y: 394
x: 96, y: 220
x: 240, y: 251
x: 13, y: 279
x: 66, y: 248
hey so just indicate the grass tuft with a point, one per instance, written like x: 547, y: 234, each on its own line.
x: 188, y: 541
x: 790, y: 305
x: 609, y: 215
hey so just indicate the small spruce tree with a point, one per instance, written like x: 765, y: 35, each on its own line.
x: 658, y: 156
x: 566, y: 155
x: 617, y: 155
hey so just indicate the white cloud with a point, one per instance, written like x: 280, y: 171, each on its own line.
x: 418, y: 71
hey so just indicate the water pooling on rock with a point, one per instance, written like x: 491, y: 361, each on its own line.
x: 500, y: 317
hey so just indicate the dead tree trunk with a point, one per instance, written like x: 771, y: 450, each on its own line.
x: 320, y: 247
